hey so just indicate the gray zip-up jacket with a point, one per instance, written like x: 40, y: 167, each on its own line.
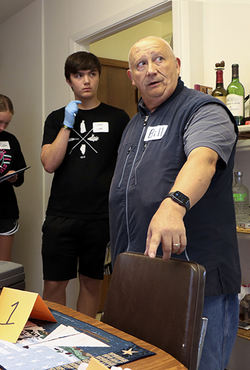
x: 152, y: 151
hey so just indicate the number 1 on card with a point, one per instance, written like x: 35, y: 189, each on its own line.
x: 8, y: 321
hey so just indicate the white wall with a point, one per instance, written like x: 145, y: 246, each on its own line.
x: 233, y: 46
x: 208, y: 31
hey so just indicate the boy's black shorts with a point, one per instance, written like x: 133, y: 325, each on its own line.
x: 71, y: 243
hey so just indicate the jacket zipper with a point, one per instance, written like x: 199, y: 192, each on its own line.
x: 125, y: 164
x: 143, y: 151
x: 129, y: 178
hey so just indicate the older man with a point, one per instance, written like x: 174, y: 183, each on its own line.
x: 172, y: 188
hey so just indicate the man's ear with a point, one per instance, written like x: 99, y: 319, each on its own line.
x: 178, y: 65
x: 130, y: 76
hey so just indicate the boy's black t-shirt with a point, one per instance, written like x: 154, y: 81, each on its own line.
x: 81, y: 184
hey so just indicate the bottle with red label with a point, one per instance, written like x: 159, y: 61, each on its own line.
x: 219, y: 91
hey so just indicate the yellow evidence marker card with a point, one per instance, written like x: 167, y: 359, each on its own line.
x: 94, y: 364
x: 16, y: 307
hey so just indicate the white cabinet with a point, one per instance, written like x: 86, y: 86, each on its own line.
x: 240, y: 357
x: 242, y: 163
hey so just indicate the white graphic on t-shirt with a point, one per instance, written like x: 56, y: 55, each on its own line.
x: 93, y: 138
x: 83, y: 138
x: 83, y: 149
x: 82, y: 127
x: 90, y: 136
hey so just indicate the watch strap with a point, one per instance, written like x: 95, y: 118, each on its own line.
x: 65, y: 127
x: 179, y: 198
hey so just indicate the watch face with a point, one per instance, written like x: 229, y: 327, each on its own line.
x: 181, y: 197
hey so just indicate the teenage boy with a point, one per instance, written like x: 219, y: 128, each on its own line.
x: 79, y: 146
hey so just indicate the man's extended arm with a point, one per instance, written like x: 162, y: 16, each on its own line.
x: 167, y: 226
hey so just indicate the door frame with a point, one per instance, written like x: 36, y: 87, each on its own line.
x: 82, y: 39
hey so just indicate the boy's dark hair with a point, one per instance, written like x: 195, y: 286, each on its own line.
x: 6, y: 104
x: 81, y: 61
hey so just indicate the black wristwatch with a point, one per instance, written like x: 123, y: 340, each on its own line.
x: 180, y: 198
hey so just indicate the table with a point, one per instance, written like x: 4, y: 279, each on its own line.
x: 160, y: 361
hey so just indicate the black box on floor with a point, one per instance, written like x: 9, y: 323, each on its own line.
x: 12, y: 275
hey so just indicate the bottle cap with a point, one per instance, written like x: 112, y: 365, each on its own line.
x: 235, y: 70
x: 238, y: 173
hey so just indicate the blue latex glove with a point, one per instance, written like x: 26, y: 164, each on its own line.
x: 70, y: 112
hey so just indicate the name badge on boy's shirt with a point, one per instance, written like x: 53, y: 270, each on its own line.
x: 4, y: 145
x: 100, y: 127
x: 155, y: 132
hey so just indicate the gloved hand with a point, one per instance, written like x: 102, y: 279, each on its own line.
x: 70, y: 111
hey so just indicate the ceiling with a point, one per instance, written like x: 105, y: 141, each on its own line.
x: 11, y: 7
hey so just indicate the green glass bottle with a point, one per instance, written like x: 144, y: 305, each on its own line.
x: 241, y: 199
x: 235, y: 96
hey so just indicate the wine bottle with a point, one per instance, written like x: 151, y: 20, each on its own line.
x: 235, y: 96
x: 219, y: 91
x: 241, y: 199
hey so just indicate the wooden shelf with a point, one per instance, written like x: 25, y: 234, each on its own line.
x: 244, y: 135
x: 244, y: 132
x: 242, y: 333
x: 243, y: 231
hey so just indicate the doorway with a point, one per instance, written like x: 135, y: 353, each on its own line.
x: 115, y: 88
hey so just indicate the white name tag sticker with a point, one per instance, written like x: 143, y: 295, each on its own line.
x: 4, y: 145
x: 155, y: 132
x: 100, y: 127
